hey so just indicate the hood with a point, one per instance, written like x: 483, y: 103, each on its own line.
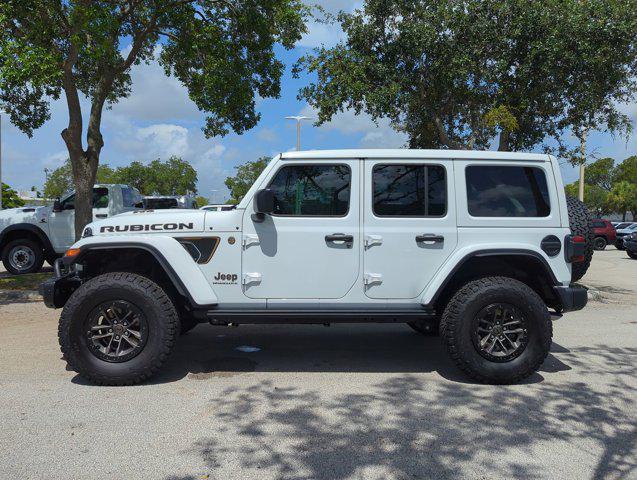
x: 34, y: 215
x: 150, y: 221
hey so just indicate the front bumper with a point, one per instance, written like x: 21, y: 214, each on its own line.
x: 630, y: 245
x: 57, y: 290
x: 571, y: 298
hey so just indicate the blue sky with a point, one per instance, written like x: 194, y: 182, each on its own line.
x: 158, y: 120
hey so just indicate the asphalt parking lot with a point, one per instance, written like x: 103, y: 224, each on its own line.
x: 344, y: 402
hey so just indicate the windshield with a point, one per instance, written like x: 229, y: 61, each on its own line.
x: 160, y: 203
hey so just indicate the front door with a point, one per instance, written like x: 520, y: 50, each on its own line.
x: 409, y: 225
x: 62, y: 223
x: 309, y: 247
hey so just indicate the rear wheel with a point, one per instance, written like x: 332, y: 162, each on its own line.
x: 600, y: 243
x: 581, y: 223
x: 118, y: 329
x: 497, y: 330
x: 22, y: 256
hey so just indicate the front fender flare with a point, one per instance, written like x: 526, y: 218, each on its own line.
x: 188, y: 279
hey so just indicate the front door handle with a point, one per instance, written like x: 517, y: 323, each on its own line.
x: 340, y: 239
x: 430, y: 238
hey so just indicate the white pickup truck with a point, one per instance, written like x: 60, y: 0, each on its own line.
x: 30, y: 235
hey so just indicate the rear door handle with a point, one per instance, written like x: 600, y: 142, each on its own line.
x: 429, y: 238
x: 340, y: 239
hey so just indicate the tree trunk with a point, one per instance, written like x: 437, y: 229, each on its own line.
x: 503, y: 144
x: 84, y: 173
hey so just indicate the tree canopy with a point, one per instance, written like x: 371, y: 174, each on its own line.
x: 175, y: 176
x: 222, y: 51
x: 245, y: 177
x: 458, y: 74
x: 10, y: 198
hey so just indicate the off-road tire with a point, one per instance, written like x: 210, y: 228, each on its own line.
x: 632, y: 255
x: 581, y: 223
x: 457, y: 320
x: 160, y: 315
x: 430, y: 328
x: 32, y: 245
x: 599, y: 243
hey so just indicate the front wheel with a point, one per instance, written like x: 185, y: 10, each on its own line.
x: 22, y: 256
x: 118, y: 329
x: 632, y: 255
x: 497, y: 330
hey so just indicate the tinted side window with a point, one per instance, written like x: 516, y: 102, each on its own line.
x: 100, y: 199
x: 128, y: 197
x: 318, y: 190
x: 507, y: 191
x: 409, y: 190
x: 599, y: 224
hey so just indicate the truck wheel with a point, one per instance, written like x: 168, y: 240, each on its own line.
x: 118, y: 329
x: 581, y: 223
x: 22, y: 256
x: 426, y: 327
x: 600, y: 243
x: 497, y: 330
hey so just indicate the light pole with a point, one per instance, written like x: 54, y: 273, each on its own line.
x: 298, y: 119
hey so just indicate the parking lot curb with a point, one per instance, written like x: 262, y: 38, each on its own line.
x: 19, y: 296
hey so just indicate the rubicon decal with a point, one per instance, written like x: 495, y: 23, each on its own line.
x: 153, y: 227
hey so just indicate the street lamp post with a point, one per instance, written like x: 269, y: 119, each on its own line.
x: 298, y: 119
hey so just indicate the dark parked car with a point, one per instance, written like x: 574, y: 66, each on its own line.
x: 604, y: 233
x: 630, y: 244
x: 623, y: 232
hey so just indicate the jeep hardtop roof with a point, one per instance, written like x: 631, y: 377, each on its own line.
x: 406, y: 154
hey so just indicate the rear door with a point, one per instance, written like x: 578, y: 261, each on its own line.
x: 309, y: 247
x: 409, y: 225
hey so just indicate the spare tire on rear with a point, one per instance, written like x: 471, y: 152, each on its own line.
x: 581, y: 223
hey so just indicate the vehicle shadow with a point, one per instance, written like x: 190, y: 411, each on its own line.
x: 407, y: 426
x: 208, y: 352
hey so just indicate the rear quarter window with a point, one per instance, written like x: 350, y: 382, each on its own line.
x: 507, y: 191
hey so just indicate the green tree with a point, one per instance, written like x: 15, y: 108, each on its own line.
x: 172, y: 177
x: 626, y: 171
x: 623, y: 198
x: 595, y: 197
x: 59, y: 181
x: 201, y: 201
x: 245, y: 177
x: 222, y: 51
x: 600, y: 173
x: 10, y: 197
x: 459, y: 74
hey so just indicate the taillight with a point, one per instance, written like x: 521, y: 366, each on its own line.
x: 575, y: 248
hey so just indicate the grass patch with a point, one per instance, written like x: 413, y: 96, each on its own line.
x: 30, y: 281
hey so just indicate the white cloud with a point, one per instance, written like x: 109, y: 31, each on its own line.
x: 374, y: 135
x: 166, y: 138
x: 55, y: 160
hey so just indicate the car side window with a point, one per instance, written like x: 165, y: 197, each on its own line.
x: 100, y: 197
x: 507, y: 191
x: 311, y: 190
x: 409, y: 190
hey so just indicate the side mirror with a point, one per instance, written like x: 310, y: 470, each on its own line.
x: 57, y: 205
x: 263, y: 203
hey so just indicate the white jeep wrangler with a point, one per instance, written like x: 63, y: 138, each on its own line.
x: 30, y: 235
x: 475, y: 245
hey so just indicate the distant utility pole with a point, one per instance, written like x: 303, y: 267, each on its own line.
x: 298, y: 119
